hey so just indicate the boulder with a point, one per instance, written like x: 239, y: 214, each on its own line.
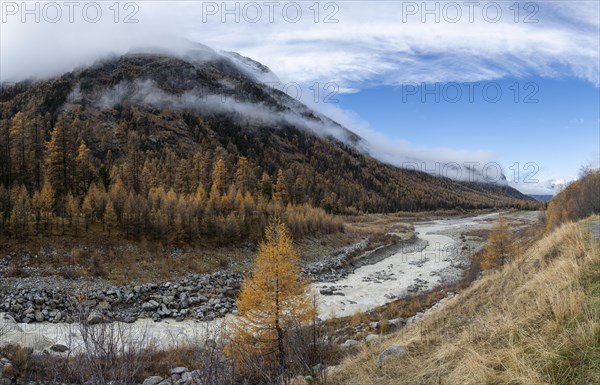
x: 392, y: 351
x: 59, y: 348
x: 95, y: 317
x: 39, y: 317
x: 371, y: 338
x: 150, y: 305
x: 396, y: 322
x: 153, y: 380
x: 178, y: 370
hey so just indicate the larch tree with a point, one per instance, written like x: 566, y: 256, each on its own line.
x: 19, y: 135
x: 20, y: 211
x: 85, y: 172
x: 242, y: 175
x: 266, y: 185
x: 46, y: 201
x: 218, y: 178
x: 499, y: 248
x: 110, y: 217
x: 60, y: 158
x: 5, y: 150
x: 273, y: 300
x: 281, y: 192
x: 91, y: 204
x: 37, y: 133
x: 73, y: 210
x: 183, y: 177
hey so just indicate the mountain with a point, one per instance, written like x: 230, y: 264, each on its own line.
x: 206, y: 124
x: 541, y: 198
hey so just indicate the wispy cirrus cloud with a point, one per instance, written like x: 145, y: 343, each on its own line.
x: 355, y: 44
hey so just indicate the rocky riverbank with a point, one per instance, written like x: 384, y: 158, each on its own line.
x: 346, y: 262
x: 202, y: 297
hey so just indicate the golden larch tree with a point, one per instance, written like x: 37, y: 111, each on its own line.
x: 218, y: 178
x: 273, y: 300
x: 20, y: 144
x: 110, y: 217
x: 47, y: 201
x: 60, y: 158
x: 499, y: 248
x: 281, y: 192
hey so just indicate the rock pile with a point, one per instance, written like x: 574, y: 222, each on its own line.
x: 381, y: 276
x: 179, y: 375
x: 419, y: 285
x: 202, y: 297
x: 334, y: 267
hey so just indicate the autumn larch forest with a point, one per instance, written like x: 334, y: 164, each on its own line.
x: 178, y: 175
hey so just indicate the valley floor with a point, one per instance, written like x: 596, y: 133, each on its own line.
x: 389, y: 257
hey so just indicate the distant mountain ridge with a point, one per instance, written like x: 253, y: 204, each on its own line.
x: 541, y: 197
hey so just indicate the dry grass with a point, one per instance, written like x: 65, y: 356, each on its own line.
x: 121, y: 261
x: 379, y: 223
x: 535, y: 322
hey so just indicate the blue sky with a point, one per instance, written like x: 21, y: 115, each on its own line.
x: 373, y: 51
x: 553, y: 123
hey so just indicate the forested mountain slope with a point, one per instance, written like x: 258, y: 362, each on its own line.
x: 194, y: 146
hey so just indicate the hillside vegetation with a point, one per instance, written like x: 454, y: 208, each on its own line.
x: 577, y: 201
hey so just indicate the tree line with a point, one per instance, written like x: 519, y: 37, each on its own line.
x: 59, y: 185
x: 175, y: 174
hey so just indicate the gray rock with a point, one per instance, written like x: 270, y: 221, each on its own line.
x: 326, y: 291
x: 392, y: 351
x: 103, y: 305
x: 59, y: 348
x: 95, y: 317
x: 149, y: 306
x: 187, y: 377
x: 371, y: 338
x: 153, y: 380
x: 350, y: 343
x: 397, y: 322
x: 178, y: 370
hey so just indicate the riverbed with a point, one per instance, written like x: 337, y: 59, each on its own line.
x: 406, y: 272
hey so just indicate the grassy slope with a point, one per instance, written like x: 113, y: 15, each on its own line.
x: 535, y: 322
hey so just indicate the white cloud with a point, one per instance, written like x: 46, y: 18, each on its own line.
x: 369, y: 45
x: 540, y: 187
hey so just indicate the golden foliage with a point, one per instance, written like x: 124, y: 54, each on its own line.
x: 500, y: 247
x: 272, y: 301
x: 578, y: 200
